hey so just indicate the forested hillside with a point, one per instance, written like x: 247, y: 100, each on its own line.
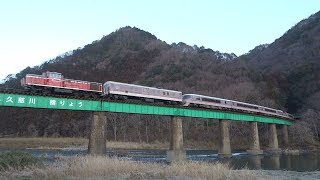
x: 291, y: 68
x: 283, y: 75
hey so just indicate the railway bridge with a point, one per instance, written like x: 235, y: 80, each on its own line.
x: 100, y: 109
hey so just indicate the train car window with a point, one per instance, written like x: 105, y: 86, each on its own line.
x: 247, y: 106
x: 198, y: 98
x: 168, y: 93
x: 186, y: 97
x: 270, y: 110
x: 164, y: 93
x: 211, y: 100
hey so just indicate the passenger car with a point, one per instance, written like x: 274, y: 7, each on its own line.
x: 219, y: 103
x: 117, y: 89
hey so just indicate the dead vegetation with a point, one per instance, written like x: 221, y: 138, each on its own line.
x: 115, y: 168
x: 59, y: 143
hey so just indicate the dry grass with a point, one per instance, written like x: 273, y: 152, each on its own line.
x: 90, y: 167
x: 42, y: 142
x: 136, y: 145
x: 58, y: 143
x: 202, y: 170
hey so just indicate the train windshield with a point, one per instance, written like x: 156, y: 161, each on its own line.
x: 186, y: 97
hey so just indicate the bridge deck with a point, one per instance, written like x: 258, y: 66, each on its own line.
x: 17, y: 100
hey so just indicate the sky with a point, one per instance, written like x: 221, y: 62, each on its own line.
x: 34, y: 31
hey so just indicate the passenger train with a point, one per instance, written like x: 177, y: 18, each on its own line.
x: 53, y: 82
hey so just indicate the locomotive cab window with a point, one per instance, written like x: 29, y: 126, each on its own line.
x: 54, y: 75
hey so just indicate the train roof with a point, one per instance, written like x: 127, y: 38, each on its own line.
x: 134, y: 85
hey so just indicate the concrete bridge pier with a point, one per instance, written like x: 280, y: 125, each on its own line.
x: 275, y: 161
x: 254, y: 140
x: 255, y: 161
x: 97, y: 139
x: 288, y: 162
x: 284, y: 135
x: 176, y: 152
x: 273, y: 140
x: 224, y: 141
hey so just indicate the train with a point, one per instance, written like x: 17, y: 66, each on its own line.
x: 54, y: 82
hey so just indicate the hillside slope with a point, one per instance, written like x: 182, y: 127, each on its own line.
x: 292, y: 65
x: 291, y: 68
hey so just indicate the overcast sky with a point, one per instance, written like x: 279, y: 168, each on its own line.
x: 34, y: 31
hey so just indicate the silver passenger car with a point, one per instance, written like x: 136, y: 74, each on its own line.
x: 131, y: 90
x: 219, y: 103
x: 205, y: 101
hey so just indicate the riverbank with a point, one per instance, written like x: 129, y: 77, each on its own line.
x: 41, y: 142
x: 66, y: 162
x: 115, y: 168
x: 58, y: 143
x: 82, y: 143
x: 89, y: 167
x: 61, y: 142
